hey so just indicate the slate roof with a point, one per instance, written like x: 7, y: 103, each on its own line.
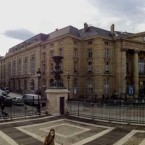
x: 67, y: 30
x: 94, y: 31
x: 82, y: 33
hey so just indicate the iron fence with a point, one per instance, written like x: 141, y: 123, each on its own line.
x: 129, y: 112
x: 14, y: 111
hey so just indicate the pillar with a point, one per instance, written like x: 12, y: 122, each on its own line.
x: 136, y: 74
x: 123, y: 74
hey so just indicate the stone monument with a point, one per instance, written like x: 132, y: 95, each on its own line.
x: 57, y: 94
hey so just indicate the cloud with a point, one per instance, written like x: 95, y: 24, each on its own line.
x: 125, y: 13
x: 21, y: 34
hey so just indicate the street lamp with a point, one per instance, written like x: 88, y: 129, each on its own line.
x: 39, y: 77
x: 68, y: 79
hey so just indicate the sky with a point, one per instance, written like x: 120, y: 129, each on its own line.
x: 23, y: 19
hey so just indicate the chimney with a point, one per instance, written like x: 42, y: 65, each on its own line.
x: 85, y: 26
x: 56, y: 29
x: 112, y: 28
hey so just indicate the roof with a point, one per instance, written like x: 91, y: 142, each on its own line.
x: 67, y: 30
x: 94, y: 31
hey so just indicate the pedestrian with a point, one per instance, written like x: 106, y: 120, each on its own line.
x: 49, y: 140
x: 2, y: 107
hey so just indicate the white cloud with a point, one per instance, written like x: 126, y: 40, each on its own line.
x: 44, y: 16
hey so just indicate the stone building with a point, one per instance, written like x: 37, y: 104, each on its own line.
x: 95, y: 62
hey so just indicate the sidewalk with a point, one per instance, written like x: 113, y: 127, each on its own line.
x: 69, y: 131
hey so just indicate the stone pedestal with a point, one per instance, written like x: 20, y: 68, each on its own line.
x: 56, y: 101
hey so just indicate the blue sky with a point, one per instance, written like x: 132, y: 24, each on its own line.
x: 22, y: 19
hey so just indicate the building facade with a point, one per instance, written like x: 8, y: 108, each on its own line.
x: 95, y: 63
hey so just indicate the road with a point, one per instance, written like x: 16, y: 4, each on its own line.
x: 18, y: 111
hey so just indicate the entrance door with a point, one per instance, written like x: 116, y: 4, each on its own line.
x: 61, y: 105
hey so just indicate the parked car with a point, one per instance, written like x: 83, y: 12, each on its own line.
x: 17, y: 101
x: 31, y: 99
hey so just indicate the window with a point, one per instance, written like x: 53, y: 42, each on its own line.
x: 106, y: 67
x: 44, y: 56
x: 106, y: 42
x: 75, y: 84
x: 19, y: 67
x: 75, y: 53
x: 60, y: 52
x: 9, y: 69
x: 106, y: 86
x: 90, y: 42
x: 43, y: 68
x: 33, y: 61
x: 141, y: 67
x: 90, y: 53
x: 90, y: 86
x: 106, y: 53
x: 75, y: 42
x: 89, y: 66
x: 75, y: 67
x: 25, y: 65
x: 51, y: 53
x: 14, y: 68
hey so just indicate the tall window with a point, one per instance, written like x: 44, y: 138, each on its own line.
x: 89, y: 66
x: 44, y: 56
x: 90, y: 53
x: 75, y: 67
x: 14, y: 68
x: 32, y: 84
x: 106, y: 86
x: 19, y: 66
x: 51, y: 53
x: 90, y: 87
x: 33, y: 62
x: 106, y: 67
x: 75, y: 53
x: 25, y: 84
x: 60, y: 52
x: 75, y: 84
x: 106, y: 52
x: 9, y: 69
x: 141, y: 67
x: 25, y: 67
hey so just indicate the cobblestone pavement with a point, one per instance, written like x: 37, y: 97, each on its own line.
x: 70, y: 131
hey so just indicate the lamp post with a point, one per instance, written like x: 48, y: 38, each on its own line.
x: 39, y: 77
x: 68, y: 79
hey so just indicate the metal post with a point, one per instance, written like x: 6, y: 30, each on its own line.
x: 68, y: 78
x: 78, y: 108
x: 38, y: 98
x: 39, y: 76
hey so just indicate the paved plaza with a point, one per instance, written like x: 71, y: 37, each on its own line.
x: 70, y: 131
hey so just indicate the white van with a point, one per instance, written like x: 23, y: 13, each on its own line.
x: 31, y: 99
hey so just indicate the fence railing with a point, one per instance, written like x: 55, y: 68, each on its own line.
x: 14, y: 111
x: 118, y: 112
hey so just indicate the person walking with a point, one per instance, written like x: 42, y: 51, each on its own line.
x: 49, y: 140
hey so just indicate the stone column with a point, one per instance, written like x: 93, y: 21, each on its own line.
x: 123, y: 69
x: 136, y: 74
